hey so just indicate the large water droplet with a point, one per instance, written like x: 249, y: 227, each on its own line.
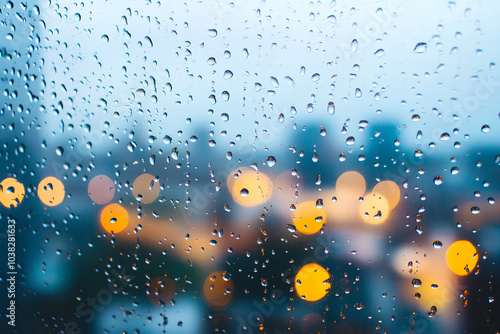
x: 420, y: 48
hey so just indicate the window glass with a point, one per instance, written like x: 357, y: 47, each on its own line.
x: 219, y: 166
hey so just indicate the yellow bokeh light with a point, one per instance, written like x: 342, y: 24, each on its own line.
x: 218, y: 289
x: 11, y: 192
x: 461, y: 257
x: 312, y: 282
x: 101, y: 189
x: 374, y: 209
x: 390, y: 191
x: 145, y: 189
x: 350, y: 185
x: 307, y: 218
x: 114, y: 218
x: 251, y: 188
x: 51, y: 191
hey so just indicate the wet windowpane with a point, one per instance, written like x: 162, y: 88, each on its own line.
x: 220, y: 166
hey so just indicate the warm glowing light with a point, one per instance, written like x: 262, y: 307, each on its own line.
x: 461, y: 257
x: 251, y: 188
x: 145, y: 189
x: 308, y: 218
x: 312, y: 282
x: 161, y: 291
x: 11, y: 192
x: 114, y: 218
x: 374, y: 209
x: 51, y: 191
x: 218, y: 289
x: 390, y: 191
x: 350, y: 185
x: 101, y: 189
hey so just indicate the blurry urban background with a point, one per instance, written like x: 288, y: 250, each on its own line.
x: 218, y: 166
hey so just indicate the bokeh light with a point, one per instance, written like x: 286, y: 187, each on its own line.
x: 390, y: 191
x: 101, y: 189
x: 461, y: 257
x: 308, y: 218
x: 51, y: 191
x: 250, y: 188
x: 374, y: 209
x: 145, y: 188
x: 312, y: 282
x: 350, y: 185
x: 218, y: 289
x: 114, y: 218
x: 11, y: 192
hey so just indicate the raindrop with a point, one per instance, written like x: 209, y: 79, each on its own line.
x: 332, y: 19
x: 358, y: 93
x: 315, y: 77
x: 437, y: 244
x: 432, y: 311
x: 418, y: 229
x: 379, y: 53
x: 310, y: 108
x: 319, y: 203
x: 445, y: 136
x: 331, y: 108
x: 224, y: 117
x: 271, y: 161
x: 59, y: 151
x: 420, y: 48
x: 354, y: 45
x: 416, y: 282
x: 228, y: 75
x: 438, y: 180
x: 475, y: 210
x: 244, y: 192
x: 485, y: 128
x: 274, y: 82
x: 167, y: 139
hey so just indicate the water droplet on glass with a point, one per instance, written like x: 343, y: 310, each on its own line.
x: 271, y: 161
x: 438, y: 180
x: 331, y: 108
x: 420, y: 48
x: 416, y: 282
x: 437, y: 244
x: 212, y: 33
x: 379, y: 53
x: 354, y: 45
